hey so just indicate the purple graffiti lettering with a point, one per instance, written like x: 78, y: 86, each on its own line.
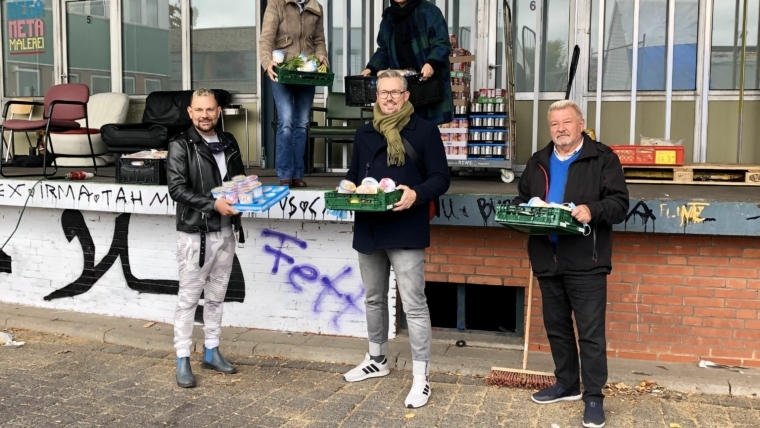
x: 278, y: 253
x: 308, y: 273
x: 329, y: 285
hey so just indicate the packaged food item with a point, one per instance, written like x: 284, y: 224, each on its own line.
x: 370, y: 181
x: 278, y: 56
x: 387, y: 185
x: 231, y: 194
x: 366, y: 189
x: 217, y: 192
x: 258, y: 191
x: 245, y: 195
x: 346, y: 186
x: 250, y: 179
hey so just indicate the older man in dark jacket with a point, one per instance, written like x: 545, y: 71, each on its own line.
x: 387, y: 148
x: 572, y: 270
x: 199, y: 160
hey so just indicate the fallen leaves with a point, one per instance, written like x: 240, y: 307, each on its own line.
x: 645, y: 387
x: 150, y: 324
x: 409, y: 415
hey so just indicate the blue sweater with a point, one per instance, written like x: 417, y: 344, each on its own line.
x: 557, y: 179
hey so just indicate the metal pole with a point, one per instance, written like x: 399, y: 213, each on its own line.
x: 634, y: 71
x: 669, y: 74
x: 741, y: 83
x: 599, y: 71
x: 537, y: 71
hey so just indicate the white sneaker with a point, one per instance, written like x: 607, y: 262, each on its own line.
x: 367, y: 369
x: 420, y: 392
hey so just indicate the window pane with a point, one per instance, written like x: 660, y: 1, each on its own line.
x: 358, y: 38
x: 461, y: 20
x: 88, y: 39
x: 554, y: 63
x: 652, y: 45
x: 152, y: 45
x: 224, y: 45
x: 725, y: 62
x: 28, y: 51
x: 335, y: 49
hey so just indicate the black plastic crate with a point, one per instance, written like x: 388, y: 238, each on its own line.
x: 360, y: 90
x: 424, y: 92
x: 141, y: 171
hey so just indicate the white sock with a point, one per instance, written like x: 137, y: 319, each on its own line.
x: 182, y: 353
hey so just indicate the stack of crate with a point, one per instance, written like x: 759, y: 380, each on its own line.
x: 489, y: 137
x: 455, y: 134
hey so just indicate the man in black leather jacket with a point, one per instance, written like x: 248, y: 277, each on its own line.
x: 199, y: 160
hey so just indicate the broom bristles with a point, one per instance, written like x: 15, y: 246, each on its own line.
x: 520, y: 380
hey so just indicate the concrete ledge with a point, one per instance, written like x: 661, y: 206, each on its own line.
x: 470, y: 360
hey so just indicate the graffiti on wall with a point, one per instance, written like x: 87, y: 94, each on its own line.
x: 303, y: 275
x: 644, y: 213
x: 74, y: 226
x: 688, y: 213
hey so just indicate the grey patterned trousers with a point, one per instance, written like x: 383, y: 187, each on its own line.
x: 213, y: 277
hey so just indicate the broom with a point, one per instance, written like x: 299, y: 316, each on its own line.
x: 522, y: 378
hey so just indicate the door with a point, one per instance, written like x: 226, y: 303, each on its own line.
x: 85, y: 54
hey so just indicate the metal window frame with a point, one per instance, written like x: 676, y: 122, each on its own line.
x: 634, y: 70
x: 537, y: 70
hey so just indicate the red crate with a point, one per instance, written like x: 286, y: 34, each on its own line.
x: 650, y: 155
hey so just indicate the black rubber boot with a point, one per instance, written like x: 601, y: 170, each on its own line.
x: 213, y: 360
x: 185, y: 378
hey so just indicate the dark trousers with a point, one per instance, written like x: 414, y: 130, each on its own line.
x: 585, y: 296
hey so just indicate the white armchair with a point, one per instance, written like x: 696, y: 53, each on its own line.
x: 103, y: 108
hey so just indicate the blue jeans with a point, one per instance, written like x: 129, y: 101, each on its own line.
x: 293, y: 103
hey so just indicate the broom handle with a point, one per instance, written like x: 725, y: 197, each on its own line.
x: 527, y: 321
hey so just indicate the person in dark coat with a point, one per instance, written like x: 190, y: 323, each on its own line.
x: 414, y: 35
x: 397, y: 238
x: 572, y: 270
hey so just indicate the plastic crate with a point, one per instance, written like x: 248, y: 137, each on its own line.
x: 271, y: 196
x: 360, y: 90
x: 308, y: 78
x: 650, y: 155
x: 424, y: 92
x: 141, y: 171
x: 356, y: 202
x: 538, y: 220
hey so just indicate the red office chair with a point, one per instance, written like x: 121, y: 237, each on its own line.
x: 63, y: 105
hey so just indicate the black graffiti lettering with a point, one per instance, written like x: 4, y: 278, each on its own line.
x: 121, y: 196
x: 486, y: 209
x: 450, y: 213
x: 753, y: 218
x: 138, y: 198
x: 74, y: 226
x: 160, y: 199
x: 311, y: 208
x: 644, y: 213
x: 463, y: 210
x: 69, y: 192
x: 304, y: 206
x: 83, y: 191
x: 15, y: 189
x: 2, y: 191
x: 283, y: 203
x: 50, y: 189
x: 107, y: 194
x: 293, y: 208
x: 6, y: 263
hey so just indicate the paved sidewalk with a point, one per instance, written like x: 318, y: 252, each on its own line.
x: 59, y: 381
x: 476, y: 359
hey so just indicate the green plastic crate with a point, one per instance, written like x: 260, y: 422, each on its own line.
x: 538, y: 220
x: 309, y: 78
x: 354, y: 202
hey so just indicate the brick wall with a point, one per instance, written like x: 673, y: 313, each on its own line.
x: 670, y: 297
